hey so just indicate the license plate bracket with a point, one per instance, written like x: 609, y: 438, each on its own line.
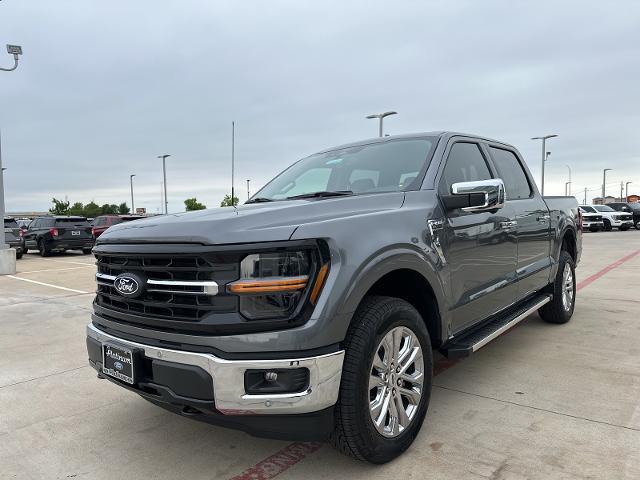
x: 75, y: 232
x: 120, y: 362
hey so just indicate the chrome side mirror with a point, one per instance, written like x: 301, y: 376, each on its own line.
x: 479, y: 196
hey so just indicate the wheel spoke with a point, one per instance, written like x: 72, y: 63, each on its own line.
x: 412, y: 394
x: 397, y: 342
x: 384, y: 408
x: 412, y: 357
x: 393, y: 417
x: 408, y: 347
x: 402, y: 413
x: 415, y: 378
x: 375, y: 381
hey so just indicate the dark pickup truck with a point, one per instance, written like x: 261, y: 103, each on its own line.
x: 312, y: 311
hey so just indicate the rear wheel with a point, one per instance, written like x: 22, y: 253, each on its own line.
x: 86, y: 251
x: 42, y: 248
x: 19, y: 254
x: 560, y: 308
x: 607, y: 225
x: 386, y: 381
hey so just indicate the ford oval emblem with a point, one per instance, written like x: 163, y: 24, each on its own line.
x: 119, y: 366
x: 128, y: 285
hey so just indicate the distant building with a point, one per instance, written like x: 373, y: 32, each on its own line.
x: 607, y: 199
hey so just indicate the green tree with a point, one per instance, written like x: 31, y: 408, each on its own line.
x: 192, y: 204
x: 226, y: 201
x: 123, y: 208
x: 60, y: 207
x: 92, y: 210
x: 109, y: 209
x: 77, y: 209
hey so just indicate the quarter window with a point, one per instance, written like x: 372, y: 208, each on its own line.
x: 512, y: 174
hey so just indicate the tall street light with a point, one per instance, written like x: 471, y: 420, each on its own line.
x: 16, y: 51
x: 248, y: 180
x: 164, y: 175
x: 604, y: 181
x: 569, y: 182
x: 626, y: 191
x: 131, y: 181
x: 381, y: 116
x: 544, y: 141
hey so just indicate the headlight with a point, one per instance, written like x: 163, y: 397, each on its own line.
x: 272, y: 284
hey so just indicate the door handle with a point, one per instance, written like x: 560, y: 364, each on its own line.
x: 508, y: 224
x: 434, y: 227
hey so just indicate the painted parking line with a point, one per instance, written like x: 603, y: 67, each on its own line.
x: 51, y: 270
x: 282, y: 460
x: 46, y: 284
x: 86, y: 264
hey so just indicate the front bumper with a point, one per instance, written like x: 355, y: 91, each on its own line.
x: 227, y: 378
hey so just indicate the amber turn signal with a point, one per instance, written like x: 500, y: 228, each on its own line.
x: 269, y: 286
x: 322, y: 274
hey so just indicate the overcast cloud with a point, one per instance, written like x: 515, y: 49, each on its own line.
x: 105, y: 87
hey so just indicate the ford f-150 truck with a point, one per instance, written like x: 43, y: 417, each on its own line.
x: 313, y: 311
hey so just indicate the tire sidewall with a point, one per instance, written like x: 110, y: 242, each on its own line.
x: 565, y: 259
x: 381, y: 448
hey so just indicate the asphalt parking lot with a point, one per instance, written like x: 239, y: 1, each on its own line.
x: 543, y: 401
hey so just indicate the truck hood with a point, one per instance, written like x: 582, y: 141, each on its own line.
x: 259, y: 222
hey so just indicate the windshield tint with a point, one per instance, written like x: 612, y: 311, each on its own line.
x: 380, y: 167
x: 587, y: 209
x: 603, y: 208
x: 10, y: 223
x: 69, y: 222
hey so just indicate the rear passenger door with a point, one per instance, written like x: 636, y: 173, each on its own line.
x: 29, y: 236
x: 479, y: 247
x: 532, y: 217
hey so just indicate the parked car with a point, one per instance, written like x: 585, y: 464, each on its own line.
x: 59, y: 233
x: 592, y: 221
x: 101, y: 223
x: 311, y: 312
x: 13, y: 236
x: 23, y: 223
x: 620, y: 220
x: 632, y: 208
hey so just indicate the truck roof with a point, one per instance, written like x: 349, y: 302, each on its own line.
x: 442, y: 134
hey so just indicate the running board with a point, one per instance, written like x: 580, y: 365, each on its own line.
x: 477, y: 338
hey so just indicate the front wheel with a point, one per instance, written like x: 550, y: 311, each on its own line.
x: 386, y: 381
x: 560, y: 308
x: 607, y: 225
x: 637, y: 225
x: 86, y: 251
x: 624, y: 228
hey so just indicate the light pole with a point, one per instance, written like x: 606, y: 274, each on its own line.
x: 16, y: 51
x: 585, y: 196
x: 131, y: 182
x: 164, y: 175
x: 381, y: 116
x: 626, y: 192
x: 567, y: 189
x: 248, y: 180
x: 604, y: 181
x: 544, y: 141
x: 3, y: 245
x: 569, y: 183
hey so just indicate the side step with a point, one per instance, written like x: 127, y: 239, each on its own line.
x: 478, y: 337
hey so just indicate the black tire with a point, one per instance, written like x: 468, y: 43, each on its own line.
x: 19, y: 254
x: 637, y: 225
x: 44, y: 252
x: 607, y: 225
x: 594, y: 229
x: 86, y: 251
x: 555, y: 311
x: 355, y: 433
x: 624, y: 228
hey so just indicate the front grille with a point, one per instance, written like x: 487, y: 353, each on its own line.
x: 173, y: 291
x: 625, y: 217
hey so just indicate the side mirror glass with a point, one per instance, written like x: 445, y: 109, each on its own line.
x: 478, y: 196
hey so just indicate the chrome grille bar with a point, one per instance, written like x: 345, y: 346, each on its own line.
x: 165, y: 286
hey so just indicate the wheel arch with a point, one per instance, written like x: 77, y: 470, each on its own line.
x: 404, y: 275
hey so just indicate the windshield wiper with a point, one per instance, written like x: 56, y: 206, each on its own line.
x: 336, y: 193
x: 259, y: 200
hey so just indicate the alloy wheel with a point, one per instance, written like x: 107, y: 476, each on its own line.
x: 567, y: 287
x: 395, y: 381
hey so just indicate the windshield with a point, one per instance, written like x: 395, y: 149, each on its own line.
x: 634, y: 206
x: 380, y: 167
x: 68, y: 222
x: 10, y: 223
x: 587, y: 209
x: 603, y: 208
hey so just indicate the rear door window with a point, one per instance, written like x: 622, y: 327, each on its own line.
x: 512, y: 174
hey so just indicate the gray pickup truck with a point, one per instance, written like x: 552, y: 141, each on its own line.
x: 313, y: 310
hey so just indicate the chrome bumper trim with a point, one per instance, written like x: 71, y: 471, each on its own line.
x: 325, y: 372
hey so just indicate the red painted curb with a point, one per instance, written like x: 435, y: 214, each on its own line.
x: 292, y: 454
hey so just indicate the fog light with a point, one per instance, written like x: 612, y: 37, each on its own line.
x: 283, y: 380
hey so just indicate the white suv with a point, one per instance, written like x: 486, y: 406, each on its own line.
x: 610, y: 217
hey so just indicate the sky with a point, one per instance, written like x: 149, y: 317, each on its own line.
x: 103, y: 88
